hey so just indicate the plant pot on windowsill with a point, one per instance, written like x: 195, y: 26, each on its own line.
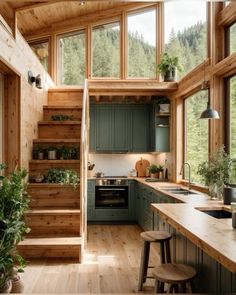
x: 170, y: 76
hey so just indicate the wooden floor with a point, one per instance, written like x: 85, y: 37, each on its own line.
x: 111, y: 265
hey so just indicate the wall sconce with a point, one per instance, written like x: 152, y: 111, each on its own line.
x: 36, y: 79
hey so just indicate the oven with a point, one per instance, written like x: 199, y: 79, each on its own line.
x: 111, y: 193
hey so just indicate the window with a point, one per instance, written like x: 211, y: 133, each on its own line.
x: 72, y: 58
x: 41, y: 49
x: 186, y: 32
x: 196, y: 132
x: 231, y: 39
x: 232, y: 117
x: 106, y: 50
x: 142, y: 44
x: 1, y: 118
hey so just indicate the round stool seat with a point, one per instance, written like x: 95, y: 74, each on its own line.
x: 174, y: 273
x: 155, y: 236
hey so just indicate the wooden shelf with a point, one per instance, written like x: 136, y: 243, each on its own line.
x: 54, y: 161
x: 59, y: 122
x: 55, y: 107
x: 162, y: 114
x: 53, y: 140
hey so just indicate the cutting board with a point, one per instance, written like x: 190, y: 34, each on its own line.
x: 141, y: 167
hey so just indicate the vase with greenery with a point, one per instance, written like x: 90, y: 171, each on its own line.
x: 167, y: 67
x: 62, y: 176
x: 216, y: 172
x: 14, y: 202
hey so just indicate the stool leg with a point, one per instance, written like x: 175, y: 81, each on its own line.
x: 143, y: 265
x: 168, y: 257
x: 189, y: 288
x: 162, y: 252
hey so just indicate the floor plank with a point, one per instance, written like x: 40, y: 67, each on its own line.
x: 111, y: 265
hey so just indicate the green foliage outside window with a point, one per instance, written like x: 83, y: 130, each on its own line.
x: 233, y: 117
x: 232, y: 39
x: 106, y: 51
x: 196, y: 135
x: 72, y: 59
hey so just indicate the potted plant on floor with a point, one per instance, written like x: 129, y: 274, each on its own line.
x: 13, y: 204
x: 215, y: 172
x: 167, y: 67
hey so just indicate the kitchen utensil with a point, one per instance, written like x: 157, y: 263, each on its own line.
x: 141, y: 167
x: 99, y: 174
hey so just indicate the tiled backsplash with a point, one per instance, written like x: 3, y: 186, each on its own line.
x: 120, y: 164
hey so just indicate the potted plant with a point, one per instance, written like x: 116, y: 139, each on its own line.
x: 13, y: 204
x: 38, y: 152
x: 216, y: 172
x: 52, y: 153
x: 62, y: 176
x: 153, y: 169
x: 167, y: 67
x: 61, y: 117
x: 229, y: 191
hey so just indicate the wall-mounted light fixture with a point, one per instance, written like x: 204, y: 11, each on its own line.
x: 35, y: 79
x: 208, y: 113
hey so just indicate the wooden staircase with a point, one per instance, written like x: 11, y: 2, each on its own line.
x: 55, y: 210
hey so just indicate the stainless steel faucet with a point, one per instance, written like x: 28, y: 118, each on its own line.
x: 189, y: 173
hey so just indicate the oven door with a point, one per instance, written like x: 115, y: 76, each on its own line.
x: 111, y: 197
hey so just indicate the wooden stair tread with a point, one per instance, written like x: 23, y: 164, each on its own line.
x: 52, y: 211
x: 56, y: 140
x: 51, y: 241
x: 66, y: 107
x: 77, y: 122
x: 54, y: 161
x: 48, y: 185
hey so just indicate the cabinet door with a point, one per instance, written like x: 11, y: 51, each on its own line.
x: 140, y: 134
x: 162, y: 139
x: 92, y: 138
x: 121, y: 129
x: 104, y: 128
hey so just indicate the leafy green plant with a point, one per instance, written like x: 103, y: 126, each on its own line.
x: 62, y: 176
x: 61, y: 117
x: 168, y: 65
x: 160, y: 168
x: 153, y: 169
x: 217, y: 169
x: 14, y: 202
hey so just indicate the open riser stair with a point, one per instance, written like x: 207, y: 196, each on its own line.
x: 54, y: 216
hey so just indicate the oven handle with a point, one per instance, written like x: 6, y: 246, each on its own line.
x: 111, y: 189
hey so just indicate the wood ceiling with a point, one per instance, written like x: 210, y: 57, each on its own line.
x: 38, y: 15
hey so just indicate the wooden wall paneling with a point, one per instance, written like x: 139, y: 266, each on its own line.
x: 19, y: 58
x: 12, y: 140
x: 9, y: 17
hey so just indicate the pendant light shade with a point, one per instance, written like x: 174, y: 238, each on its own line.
x: 209, y: 113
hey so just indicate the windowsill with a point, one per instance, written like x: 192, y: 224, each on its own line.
x: 197, y: 187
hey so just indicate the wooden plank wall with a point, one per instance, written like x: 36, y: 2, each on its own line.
x: 17, y: 55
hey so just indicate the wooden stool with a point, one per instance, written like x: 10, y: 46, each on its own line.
x: 148, y: 237
x: 174, y: 275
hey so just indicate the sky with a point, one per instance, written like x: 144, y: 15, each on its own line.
x: 178, y: 15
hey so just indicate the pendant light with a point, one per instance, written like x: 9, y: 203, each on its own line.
x: 208, y: 113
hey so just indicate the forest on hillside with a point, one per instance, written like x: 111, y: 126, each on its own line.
x: 189, y: 45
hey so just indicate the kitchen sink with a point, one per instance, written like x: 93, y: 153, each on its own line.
x: 179, y: 190
x: 218, y: 213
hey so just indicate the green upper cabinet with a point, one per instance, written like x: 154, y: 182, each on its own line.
x: 104, y: 128
x: 140, y: 128
x: 119, y: 128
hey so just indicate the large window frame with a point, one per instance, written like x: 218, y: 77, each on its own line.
x: 83, y: 30
x: 185, y: 129
x: 97, y: 24
x: 158, y: 38
x: 45, y: 40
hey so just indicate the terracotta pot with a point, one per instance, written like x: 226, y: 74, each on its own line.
x: 153, y: 175
x: 7, y: 288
